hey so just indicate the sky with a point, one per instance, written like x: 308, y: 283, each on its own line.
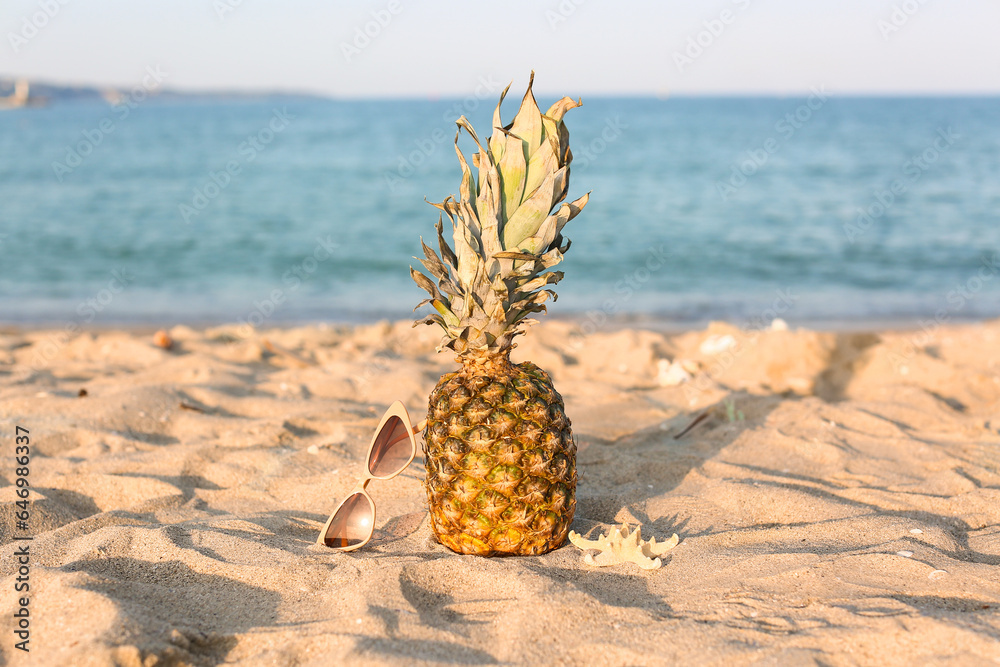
x: 446, y: 48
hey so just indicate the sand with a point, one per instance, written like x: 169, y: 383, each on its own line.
x: 838, y: 505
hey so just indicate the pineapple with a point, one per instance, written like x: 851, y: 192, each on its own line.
x: 500, y: 456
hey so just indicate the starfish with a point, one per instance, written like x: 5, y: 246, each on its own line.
x: 622, y: 546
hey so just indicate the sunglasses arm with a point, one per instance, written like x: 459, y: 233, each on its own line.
x: 420, y: 427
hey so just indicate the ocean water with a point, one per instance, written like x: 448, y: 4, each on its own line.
x: 821, y: 210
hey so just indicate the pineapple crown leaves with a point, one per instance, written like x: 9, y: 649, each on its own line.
x: 507, y: 230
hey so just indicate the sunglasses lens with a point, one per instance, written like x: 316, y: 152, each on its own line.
x: 393, y: 449
x: 352, y: 524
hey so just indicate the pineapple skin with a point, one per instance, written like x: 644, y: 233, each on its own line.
x: 500, y: 459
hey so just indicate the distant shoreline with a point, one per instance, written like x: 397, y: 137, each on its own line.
x: 69, y: 93
x: 637, y: 323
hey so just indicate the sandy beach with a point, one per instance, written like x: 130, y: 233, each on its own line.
x: 838, y: 504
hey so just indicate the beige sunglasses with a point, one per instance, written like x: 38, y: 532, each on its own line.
x: 392, y: 449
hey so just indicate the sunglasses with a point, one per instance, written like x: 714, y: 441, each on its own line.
x: 392, y: 449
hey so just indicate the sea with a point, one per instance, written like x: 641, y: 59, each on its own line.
x: 824, y: 211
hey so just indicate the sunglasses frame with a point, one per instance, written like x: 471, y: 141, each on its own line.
x: 397, y: 409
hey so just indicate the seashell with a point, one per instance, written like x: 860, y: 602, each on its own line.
x: 716, y: 344
x: 162, y: 339
x: 671, y: 374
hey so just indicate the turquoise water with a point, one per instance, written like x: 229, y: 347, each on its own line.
x: 285, y: 211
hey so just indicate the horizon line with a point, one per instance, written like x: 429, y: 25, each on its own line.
x: 431, y: 96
